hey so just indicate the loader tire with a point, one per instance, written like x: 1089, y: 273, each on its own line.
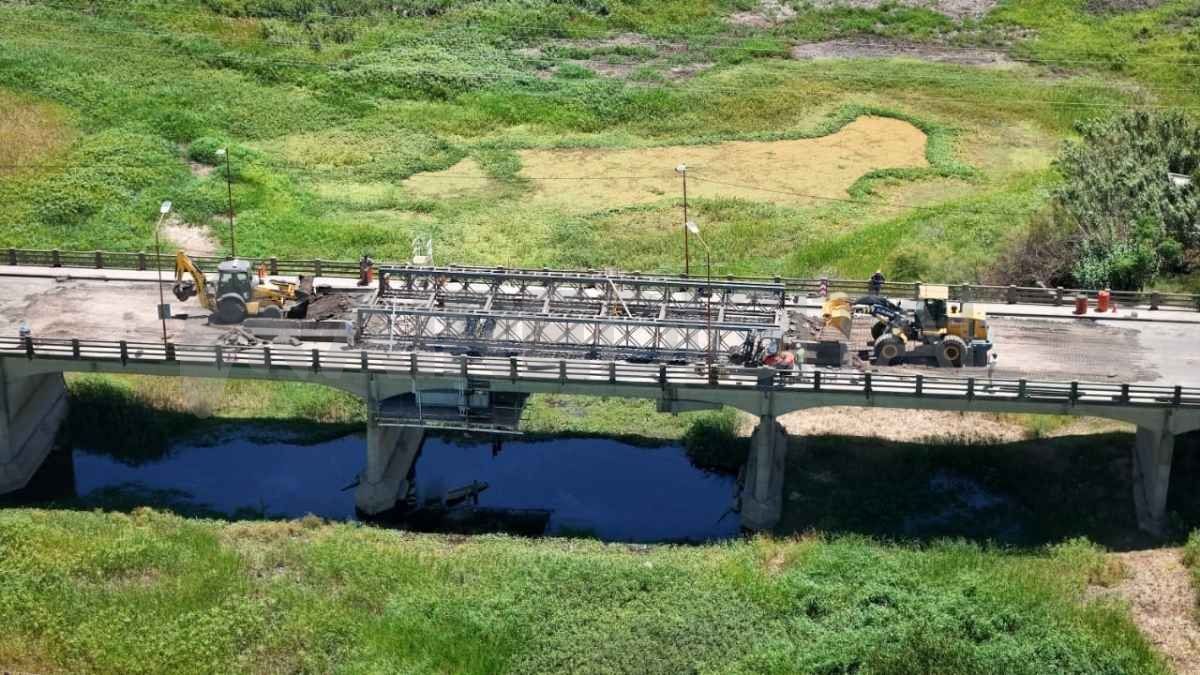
x: 952, y: 351
x: 888, y: 350
x: 230, y: 309
x: 271, y: 312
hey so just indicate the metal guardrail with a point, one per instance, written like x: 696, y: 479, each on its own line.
x: 1015, y: 295
x: 564, y: 372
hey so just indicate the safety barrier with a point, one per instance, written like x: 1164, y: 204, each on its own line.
x: 586, y: 372
x: 1015, y: 295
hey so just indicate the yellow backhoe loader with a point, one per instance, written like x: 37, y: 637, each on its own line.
x: 238, y: 293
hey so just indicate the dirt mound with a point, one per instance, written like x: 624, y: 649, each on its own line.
x: 769, y: 13
x: 796, y: 172
x: 1160, y: 595
x: 955, y: 9
x: 880, y: 48
x: 1120, y: 6
x: 195, y: 239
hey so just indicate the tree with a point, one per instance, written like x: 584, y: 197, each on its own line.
x: 1128, y: 220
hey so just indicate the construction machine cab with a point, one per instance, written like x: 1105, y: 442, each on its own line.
x: 234, y: 276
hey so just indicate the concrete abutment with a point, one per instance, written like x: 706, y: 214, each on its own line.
x: 762, y: 491
x: 32, y: 408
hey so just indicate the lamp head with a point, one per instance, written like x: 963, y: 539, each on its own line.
x: 682, y: 168
x: 165, y: 208
x: 692, y: 227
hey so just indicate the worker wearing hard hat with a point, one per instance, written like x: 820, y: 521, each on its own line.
x: 877, y: 283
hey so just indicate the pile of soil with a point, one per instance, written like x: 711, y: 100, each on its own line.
x: 330, y: 306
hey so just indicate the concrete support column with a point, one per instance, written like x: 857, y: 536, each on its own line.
x: 390, y: 455
x: 31, y: 410
x: 1153, y: 451
x: 762, y: 492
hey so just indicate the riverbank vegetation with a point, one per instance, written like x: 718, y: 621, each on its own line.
x: 152, y: 592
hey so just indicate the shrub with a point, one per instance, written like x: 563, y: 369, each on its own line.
x: 1133, y: 222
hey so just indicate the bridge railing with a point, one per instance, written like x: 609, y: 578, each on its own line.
x: 1016, y: 295
x: 564, y: 371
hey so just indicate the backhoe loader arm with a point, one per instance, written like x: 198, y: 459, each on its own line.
x: 197, y: 285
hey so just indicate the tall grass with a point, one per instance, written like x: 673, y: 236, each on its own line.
x: 149, y: 592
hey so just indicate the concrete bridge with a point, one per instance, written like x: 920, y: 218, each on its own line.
x: 33, y: 402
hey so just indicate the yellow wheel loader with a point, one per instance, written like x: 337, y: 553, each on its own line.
x: 949, y: 334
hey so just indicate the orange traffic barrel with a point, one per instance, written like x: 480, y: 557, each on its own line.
x: 1081, y: 303
x: 1102, y: 301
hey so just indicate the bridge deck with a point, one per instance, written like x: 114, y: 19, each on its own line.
x: 1045, y: 349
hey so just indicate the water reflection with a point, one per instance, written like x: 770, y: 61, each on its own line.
x: 577, y: 486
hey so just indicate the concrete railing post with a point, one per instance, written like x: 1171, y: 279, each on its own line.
x: 273, y: 265
x: 1058, y: 295
x: 1155, y: 299
x: 1011, y: 296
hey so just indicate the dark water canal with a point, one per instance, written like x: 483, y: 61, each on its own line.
x: 578, y: 486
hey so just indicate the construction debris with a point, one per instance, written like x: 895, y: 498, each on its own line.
x: 239, y: 337
x: 330, y: 306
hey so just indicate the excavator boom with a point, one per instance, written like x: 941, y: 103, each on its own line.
x: 196, y: 286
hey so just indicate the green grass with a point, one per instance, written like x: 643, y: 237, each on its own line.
x: 328, y: 116
x: 152, y: 592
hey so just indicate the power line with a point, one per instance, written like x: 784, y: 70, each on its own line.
x: 644, y: 177
x: 861, y: 202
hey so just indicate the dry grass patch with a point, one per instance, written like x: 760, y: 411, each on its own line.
x: 29, y: 131
x: 904, y: 425
x: 780, y: 171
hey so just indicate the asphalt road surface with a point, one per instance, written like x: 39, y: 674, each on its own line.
x: 1041, y: 348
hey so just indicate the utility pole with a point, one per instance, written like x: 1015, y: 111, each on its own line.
x: 229, y: 190
x: 708, y: 291
x: 682, y: 171
x: 164, y: 310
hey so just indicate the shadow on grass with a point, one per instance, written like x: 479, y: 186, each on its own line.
x: 1024, y: 493
x: 110, y: 420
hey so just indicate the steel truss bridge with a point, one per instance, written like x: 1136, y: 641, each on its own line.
x: 582, y: 314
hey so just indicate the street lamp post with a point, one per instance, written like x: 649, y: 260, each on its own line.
x: 682, y: 171
x: 692, y: 227
x: 224, y: 152
x: 164, y: 310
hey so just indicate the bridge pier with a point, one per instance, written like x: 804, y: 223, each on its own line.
x: 762, y: 492
x: 390, y: 455
x: 1153, y: 450
x: 31, y: 409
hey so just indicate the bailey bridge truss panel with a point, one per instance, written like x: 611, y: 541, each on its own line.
x: 582, y: 293
x: 597, y: 315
